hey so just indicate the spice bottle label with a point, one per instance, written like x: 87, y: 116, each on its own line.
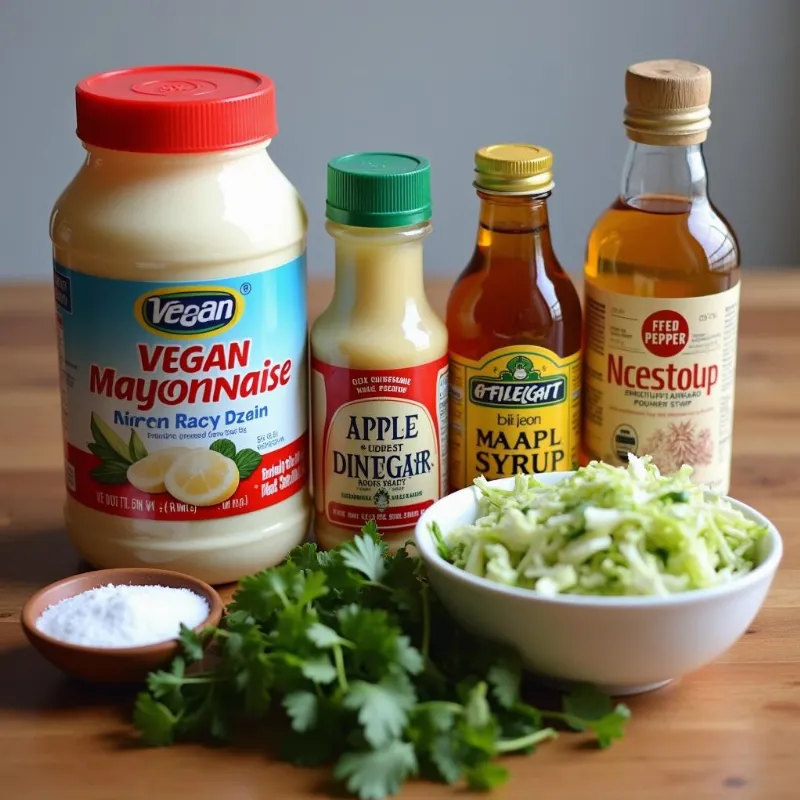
x: 660, y: 380
x: 516, y: 410
x: 183, y: 401
x: 380, y: 447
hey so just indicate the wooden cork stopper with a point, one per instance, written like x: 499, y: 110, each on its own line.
x: 667, y: 102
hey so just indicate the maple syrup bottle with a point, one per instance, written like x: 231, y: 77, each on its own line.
x: 662, y: 291
x: 514, y: 327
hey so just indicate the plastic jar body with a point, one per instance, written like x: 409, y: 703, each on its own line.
x: 173, y: 273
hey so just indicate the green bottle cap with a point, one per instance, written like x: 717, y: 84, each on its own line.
x: 379, y: 190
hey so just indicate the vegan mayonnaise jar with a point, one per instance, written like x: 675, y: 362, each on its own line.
x: 179, y: 271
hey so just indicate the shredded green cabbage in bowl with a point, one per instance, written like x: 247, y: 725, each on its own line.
x: 605, y: 531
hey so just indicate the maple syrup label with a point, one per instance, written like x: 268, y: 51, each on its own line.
x: 660, y: 380
x: 517, y: 410
x: 380, y: 446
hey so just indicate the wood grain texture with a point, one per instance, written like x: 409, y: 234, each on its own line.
x: 729, y: 731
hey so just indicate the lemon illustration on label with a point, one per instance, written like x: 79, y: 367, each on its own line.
x: 202, y: 477
x: 147, y: 474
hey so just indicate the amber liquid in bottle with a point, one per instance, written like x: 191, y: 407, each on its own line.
x: 513, y: 292
x: 662, y: 238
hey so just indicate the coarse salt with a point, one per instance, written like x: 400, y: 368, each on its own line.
x: 123, y: 616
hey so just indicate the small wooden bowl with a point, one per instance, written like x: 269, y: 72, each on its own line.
x: 104, y: 664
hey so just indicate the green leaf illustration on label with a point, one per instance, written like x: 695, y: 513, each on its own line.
x: 110, y: 472
x: 136, y: 447
x: 247, y: 461
x: 225, y: 447
x: 105, y: 435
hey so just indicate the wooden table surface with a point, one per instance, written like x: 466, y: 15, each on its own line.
x: 730, y: 730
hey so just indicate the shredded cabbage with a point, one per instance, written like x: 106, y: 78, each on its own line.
x: 605, y: 531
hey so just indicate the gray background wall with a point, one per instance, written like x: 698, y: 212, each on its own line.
x: 435, y: 77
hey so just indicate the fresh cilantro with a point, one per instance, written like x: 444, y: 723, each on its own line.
x: 486, y: 776
x: 366, y: 555
x: 325, y: 637
x: 505, y: 678
x: 382, y: 707
x: 368, y: 669
x: 156, y: 723
x: 302, y: 710
x: 375, y: 774
x: 192, y: 643
x: 588, y: 709
x: 319, y: 669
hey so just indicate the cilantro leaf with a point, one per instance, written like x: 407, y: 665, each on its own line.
x: 587, y: 708
x: 370, y: 530
x: 505, y: 678
x: 377, y: 774
x: 313, y: 587
x: 306, y: 556
x: 255, y: 597
x: 192, y: 644
x: 365, y: 555
x: 476, y: 710
x: 375, y: 642
x: 319, y: 670
x: 256, y: 681
x: 584, y: 701
x: 302, y: 710
x: 166, y: 684
x: 408, y: 657
x: 611, y: 727
x: 324, y: 637
x: 156, y: 723
x: 402, y: 578
x: 382, y: 707
x: 445, y: 753
x: 486, y: 776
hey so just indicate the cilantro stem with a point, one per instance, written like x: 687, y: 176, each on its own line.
x: 282, y: 595
x: 338, y: 658
x: 512, y: 745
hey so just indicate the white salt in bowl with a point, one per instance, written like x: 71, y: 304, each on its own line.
x: 111, y: 664
x: 623, y: 645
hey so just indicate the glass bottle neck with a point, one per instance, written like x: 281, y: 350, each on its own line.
x: 378, y: 270
x: 514, y: 227
x: 672, y: 174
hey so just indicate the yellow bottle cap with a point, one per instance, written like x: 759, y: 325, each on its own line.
x: 514, y: 169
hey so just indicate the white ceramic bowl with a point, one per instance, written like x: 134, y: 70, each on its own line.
x: 624, y: 645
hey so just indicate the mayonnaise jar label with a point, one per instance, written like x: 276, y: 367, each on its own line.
x: 183, y: 401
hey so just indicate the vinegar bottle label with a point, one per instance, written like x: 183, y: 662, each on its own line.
x: 517, y: 410
x: 660, y: 380
x: 380, y: 443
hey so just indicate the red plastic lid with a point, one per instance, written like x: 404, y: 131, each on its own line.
x: 175, y: 109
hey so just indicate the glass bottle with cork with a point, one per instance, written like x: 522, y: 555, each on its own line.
x: 514, y: 326
x: 662, y: 290
x: 378, y: 356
